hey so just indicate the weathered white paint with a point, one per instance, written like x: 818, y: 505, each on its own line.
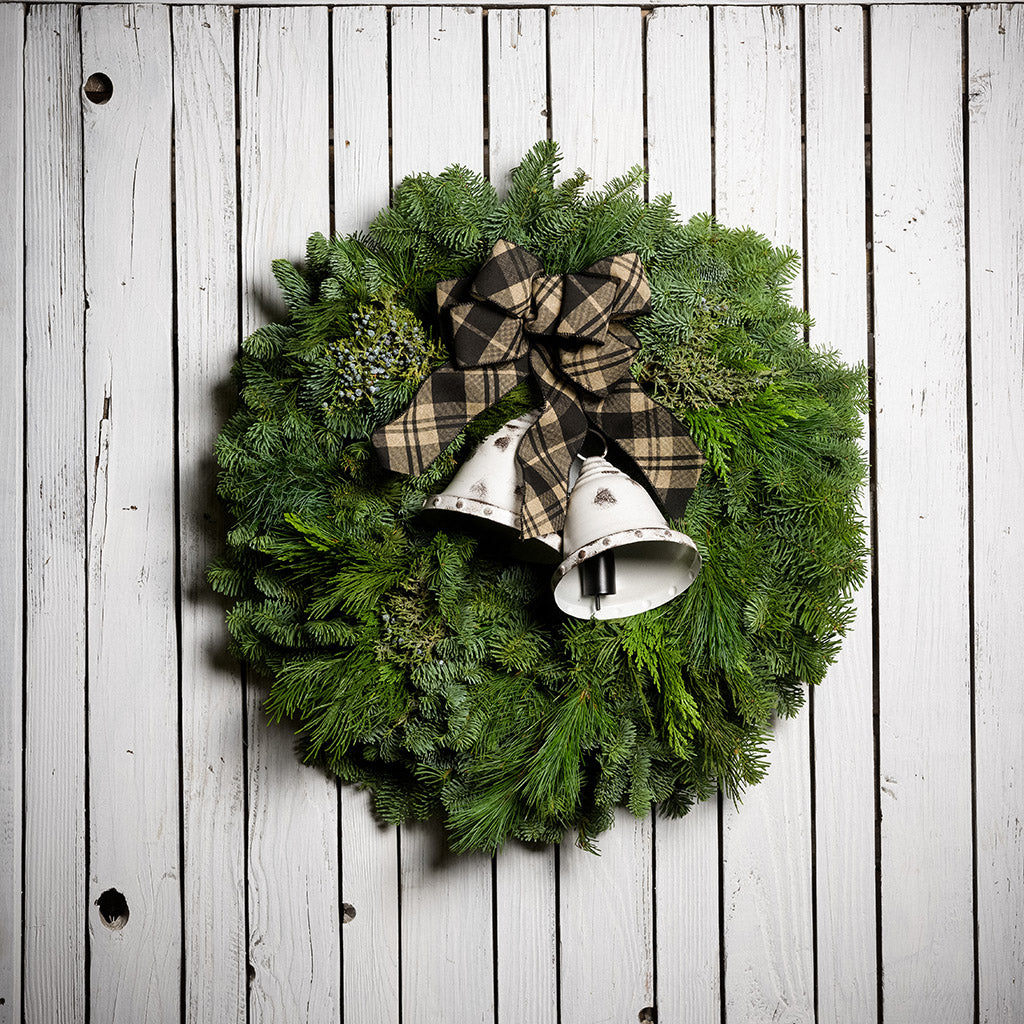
x: 12, y: 501
x: 533, y: 3
x: 526, y: 935
x: 359, y: 38
x: 607, y: 908
x: 923, y: 568
x: 686, y: 853
x: 524, y: 879
x: 679, y: 109
x: 606, y: 925
x: 597, y: 89
x: 687, y: 872
x: 758, y: 176
x: 606, y: 912
x: 369, y: 886
x: 55, y: 839
x: 437, y: 102
x: 294, y: 919
x: 517, y: 88
x: 447, y: 940
x: 844, y: 770
x: 212, y: 699
x: 995, y: 87
x: 766, y: 844
x: 132, y: 689
x: 369, y: 851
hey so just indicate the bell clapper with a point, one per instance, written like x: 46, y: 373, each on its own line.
x: 597, y: 577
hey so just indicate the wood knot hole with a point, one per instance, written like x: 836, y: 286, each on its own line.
x: 647, y: 1014
x: 113, y: 909
x: 99, y: 88
x: 347, y: 912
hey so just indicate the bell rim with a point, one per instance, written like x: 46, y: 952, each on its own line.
x: 474, y: 507
x: 620, y: 539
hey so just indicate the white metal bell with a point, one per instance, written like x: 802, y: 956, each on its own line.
x: 610, y: 514
x: 489, y: 485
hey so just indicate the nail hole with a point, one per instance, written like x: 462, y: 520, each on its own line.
x: 113, y: 909
x: 647, y: 1014
x: 347, y: 912
x: 99, y: 88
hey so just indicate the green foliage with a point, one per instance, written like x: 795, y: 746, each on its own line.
x: 437, y: 671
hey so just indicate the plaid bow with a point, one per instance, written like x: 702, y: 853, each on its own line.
x: 567, y: 330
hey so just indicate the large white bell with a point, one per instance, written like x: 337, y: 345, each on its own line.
x: 489, y: 486
x: 619, y: 555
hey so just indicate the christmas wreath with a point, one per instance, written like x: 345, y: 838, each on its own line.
x: 429, y: 661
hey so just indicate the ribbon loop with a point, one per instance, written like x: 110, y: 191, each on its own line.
x: 482, y: 336
x: 598, y: 368
x: 587, y: 302
x: 581, y: 366
x: 506, y: 278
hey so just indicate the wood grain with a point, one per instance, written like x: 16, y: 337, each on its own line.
x: 294, y: 912
x: 520, y: 3
x: 996, y: 133
x: 766, y: 851
x: 686, y: 900
x: 369, y: 851
x: 923, y: 570
x: 517, y: 87
x: 596, y: 68
x: 686, y: 852
x: 370, y: 887
x: 105, y: 416
x: 844, y: 809
x: 436, y: 89
x: 679, y: 107
x: 606, y: 905
x: 12, y: 502
x: 129, y: 413
x: 524, y: 879
x: 447, y: 943
x: 213, y: 776
x: 606, y: 925
x: 359, y: 38
x: 525, y: 3
x: 55, y: 624
x: 527, y: 954
x: 757, y: 123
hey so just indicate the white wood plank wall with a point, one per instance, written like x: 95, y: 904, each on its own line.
x: 163, y: 855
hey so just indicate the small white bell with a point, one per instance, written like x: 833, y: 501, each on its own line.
x: 619, y: 555
x: 489, y: 486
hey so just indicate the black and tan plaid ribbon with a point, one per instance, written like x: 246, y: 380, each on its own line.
x: 568, y: 331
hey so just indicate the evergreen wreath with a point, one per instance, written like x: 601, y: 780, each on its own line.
x: 434, y: 668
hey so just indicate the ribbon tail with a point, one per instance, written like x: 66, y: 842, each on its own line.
x: 445, y: 402
x: 547, y: 450
x: 655, y: 440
